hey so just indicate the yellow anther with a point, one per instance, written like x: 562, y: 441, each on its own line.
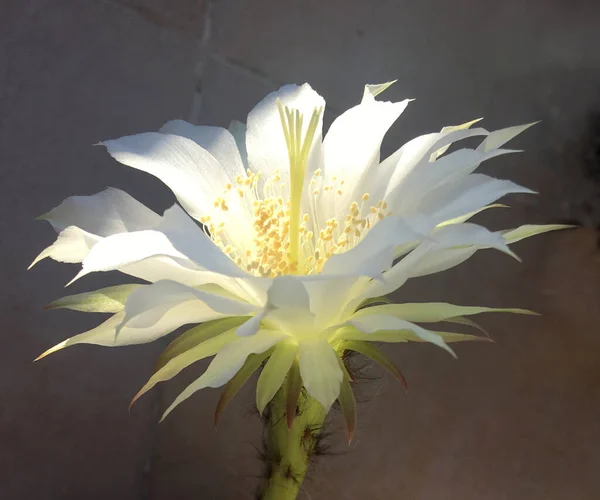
x: 365, y: 197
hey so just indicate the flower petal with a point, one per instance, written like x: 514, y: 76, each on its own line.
x: 413, y: 155
x: 375, y: 252
x: 320, y: 370
x: 176, y: 365
x: 194, y: 175
x: 372, y: 90
x: 432, y: 312
x: 351, y: 146
x: 232, y: 387
x: 238, y: 131
x: 108, y: 300
x: 498, y: 138
x: 451, y: 128
x: 177, y: 237
x: 83, y: 221
x: 148, y: 304
x: 219, y: 142
x: 528, y: 230
x: 383, y: 322
x: 106, y: 333
x: 467, y: 195
x: 265, y: 140
x: 287, y: 307
x: 372, y: 352
x: 196, y: 336
x: 351, y: 333
x: 228, y: 362
x: 408, y: 196
x: 274, y: 373
x: 109, y: 212
x: 71, y: 246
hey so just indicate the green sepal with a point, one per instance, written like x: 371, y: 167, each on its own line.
x: 372, y: 352
x: 196, y: 336
x: 373, y: 301
x: 274, y: 372
x: 526, y: 231
x: 293, y: 390
x: 237, y: 382
x: 106, y: 300
x: 461, y: 320
x: 348, y: 407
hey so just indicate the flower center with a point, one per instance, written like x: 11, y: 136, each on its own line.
x: 286, y: 239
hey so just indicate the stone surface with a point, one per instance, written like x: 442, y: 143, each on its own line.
x: 72, y: 73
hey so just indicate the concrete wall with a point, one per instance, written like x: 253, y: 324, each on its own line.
x: 519, y: 419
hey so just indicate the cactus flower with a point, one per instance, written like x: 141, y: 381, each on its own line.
x: 282, y: 244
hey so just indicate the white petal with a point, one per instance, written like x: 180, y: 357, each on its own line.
x: 372, y: 90
x: 148, y: 304
x: 351, y: 147
x: 320, y: 371
x: 192, y: 173
x: 238, y: 131
x: 72, y: 245
x: 441, y: 259
x: 82, y: 221
x: 467, y: 195
x: 375, y: 253
x: 380, y: 322
x: 106, y: 333
x: 287, y: 307
x: 437, y: 255
x: 109, y: 212
x: 462, y: 126
x: 265, y: 141
x: 288, y: 292
x: 228, y: 362
x: 408, y: 195
x: 219, y: 142
x: 498, y: 138
x: 413, y: 155
x: 178, y: 237
x: 115, y: 212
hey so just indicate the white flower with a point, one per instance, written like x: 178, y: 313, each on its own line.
x: 300, y: 234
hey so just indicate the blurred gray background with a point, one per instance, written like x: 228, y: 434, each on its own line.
x: 516, y: 420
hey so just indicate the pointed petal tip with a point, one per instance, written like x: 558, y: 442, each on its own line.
x: 42, y: 217
x: 77, y: 276
x: 350, y: 437
x: 136, y: 397
x: 42, y: 255
x: 52, y: 350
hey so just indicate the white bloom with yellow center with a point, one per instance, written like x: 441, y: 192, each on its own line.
x: 297, y: 237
